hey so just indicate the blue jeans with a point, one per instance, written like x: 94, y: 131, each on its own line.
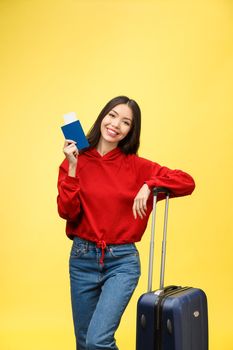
x: 100, y: 293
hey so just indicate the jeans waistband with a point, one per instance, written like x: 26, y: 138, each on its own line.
x: 100, y: 244
x: 94, y: 244
x: 84, y: 241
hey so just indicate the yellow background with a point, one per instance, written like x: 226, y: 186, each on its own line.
x: 175, y: 59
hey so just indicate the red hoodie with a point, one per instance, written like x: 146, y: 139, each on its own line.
x: 97, y: 203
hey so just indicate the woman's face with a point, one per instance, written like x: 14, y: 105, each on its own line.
x: 116, y: 125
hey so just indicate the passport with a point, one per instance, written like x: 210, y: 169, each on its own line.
x: 74, y: 131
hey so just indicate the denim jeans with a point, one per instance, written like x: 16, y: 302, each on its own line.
x: 100, y: 293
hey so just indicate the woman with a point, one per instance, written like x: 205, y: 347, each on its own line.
x: 105, y: 196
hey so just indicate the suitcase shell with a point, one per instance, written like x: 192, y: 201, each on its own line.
x: 174, y: 319
x: 171, y: 318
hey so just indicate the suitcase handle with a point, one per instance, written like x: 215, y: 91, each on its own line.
x: 156, y: 191
x: 170, y: 288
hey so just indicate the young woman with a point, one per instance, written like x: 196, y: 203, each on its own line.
x: 104, y: 195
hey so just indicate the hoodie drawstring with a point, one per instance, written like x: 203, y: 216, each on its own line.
x: 102, y: 245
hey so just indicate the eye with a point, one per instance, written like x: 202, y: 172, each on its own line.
x: 127, y: 122
x: 112, y: 115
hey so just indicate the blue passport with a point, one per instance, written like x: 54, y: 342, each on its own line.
x: 74, y: 131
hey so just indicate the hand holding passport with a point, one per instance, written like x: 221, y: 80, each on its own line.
x: 73, y: 130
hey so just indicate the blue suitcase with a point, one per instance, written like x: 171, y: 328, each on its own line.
x: 171, y: 318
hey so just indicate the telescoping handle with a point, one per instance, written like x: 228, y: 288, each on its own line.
x: 156, y: 191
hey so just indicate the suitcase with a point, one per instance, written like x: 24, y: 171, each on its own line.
x: 174, y: 317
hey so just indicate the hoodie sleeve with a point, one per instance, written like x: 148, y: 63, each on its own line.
x: 68, y: 202
x: 177, y: 181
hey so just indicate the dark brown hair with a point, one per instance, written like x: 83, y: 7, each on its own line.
x: 130, y: 144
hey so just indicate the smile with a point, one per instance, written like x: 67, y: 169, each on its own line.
x: 112, y: 132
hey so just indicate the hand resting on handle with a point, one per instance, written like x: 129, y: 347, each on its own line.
x: 140, y: 201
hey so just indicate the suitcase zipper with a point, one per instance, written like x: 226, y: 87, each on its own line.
x: 159, y: 313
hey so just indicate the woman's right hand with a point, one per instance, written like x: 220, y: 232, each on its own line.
x: 71, y: 152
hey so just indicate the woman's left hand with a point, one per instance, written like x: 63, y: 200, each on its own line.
x: 140, y: 201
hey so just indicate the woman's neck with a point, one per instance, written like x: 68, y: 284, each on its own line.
x: 105, y: 147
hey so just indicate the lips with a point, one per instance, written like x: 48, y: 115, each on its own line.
x: 111, y: 132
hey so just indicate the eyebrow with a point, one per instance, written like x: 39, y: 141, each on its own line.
x: 124, y: 117
x: 115, y: 111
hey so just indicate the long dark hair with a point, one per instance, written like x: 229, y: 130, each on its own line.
x: 130, y: 144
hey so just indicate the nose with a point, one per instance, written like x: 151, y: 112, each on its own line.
x: 115, y: 123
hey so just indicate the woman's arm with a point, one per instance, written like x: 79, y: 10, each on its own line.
x: 177, y: 181
x: 153, y: 175
x: 68, y: 184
